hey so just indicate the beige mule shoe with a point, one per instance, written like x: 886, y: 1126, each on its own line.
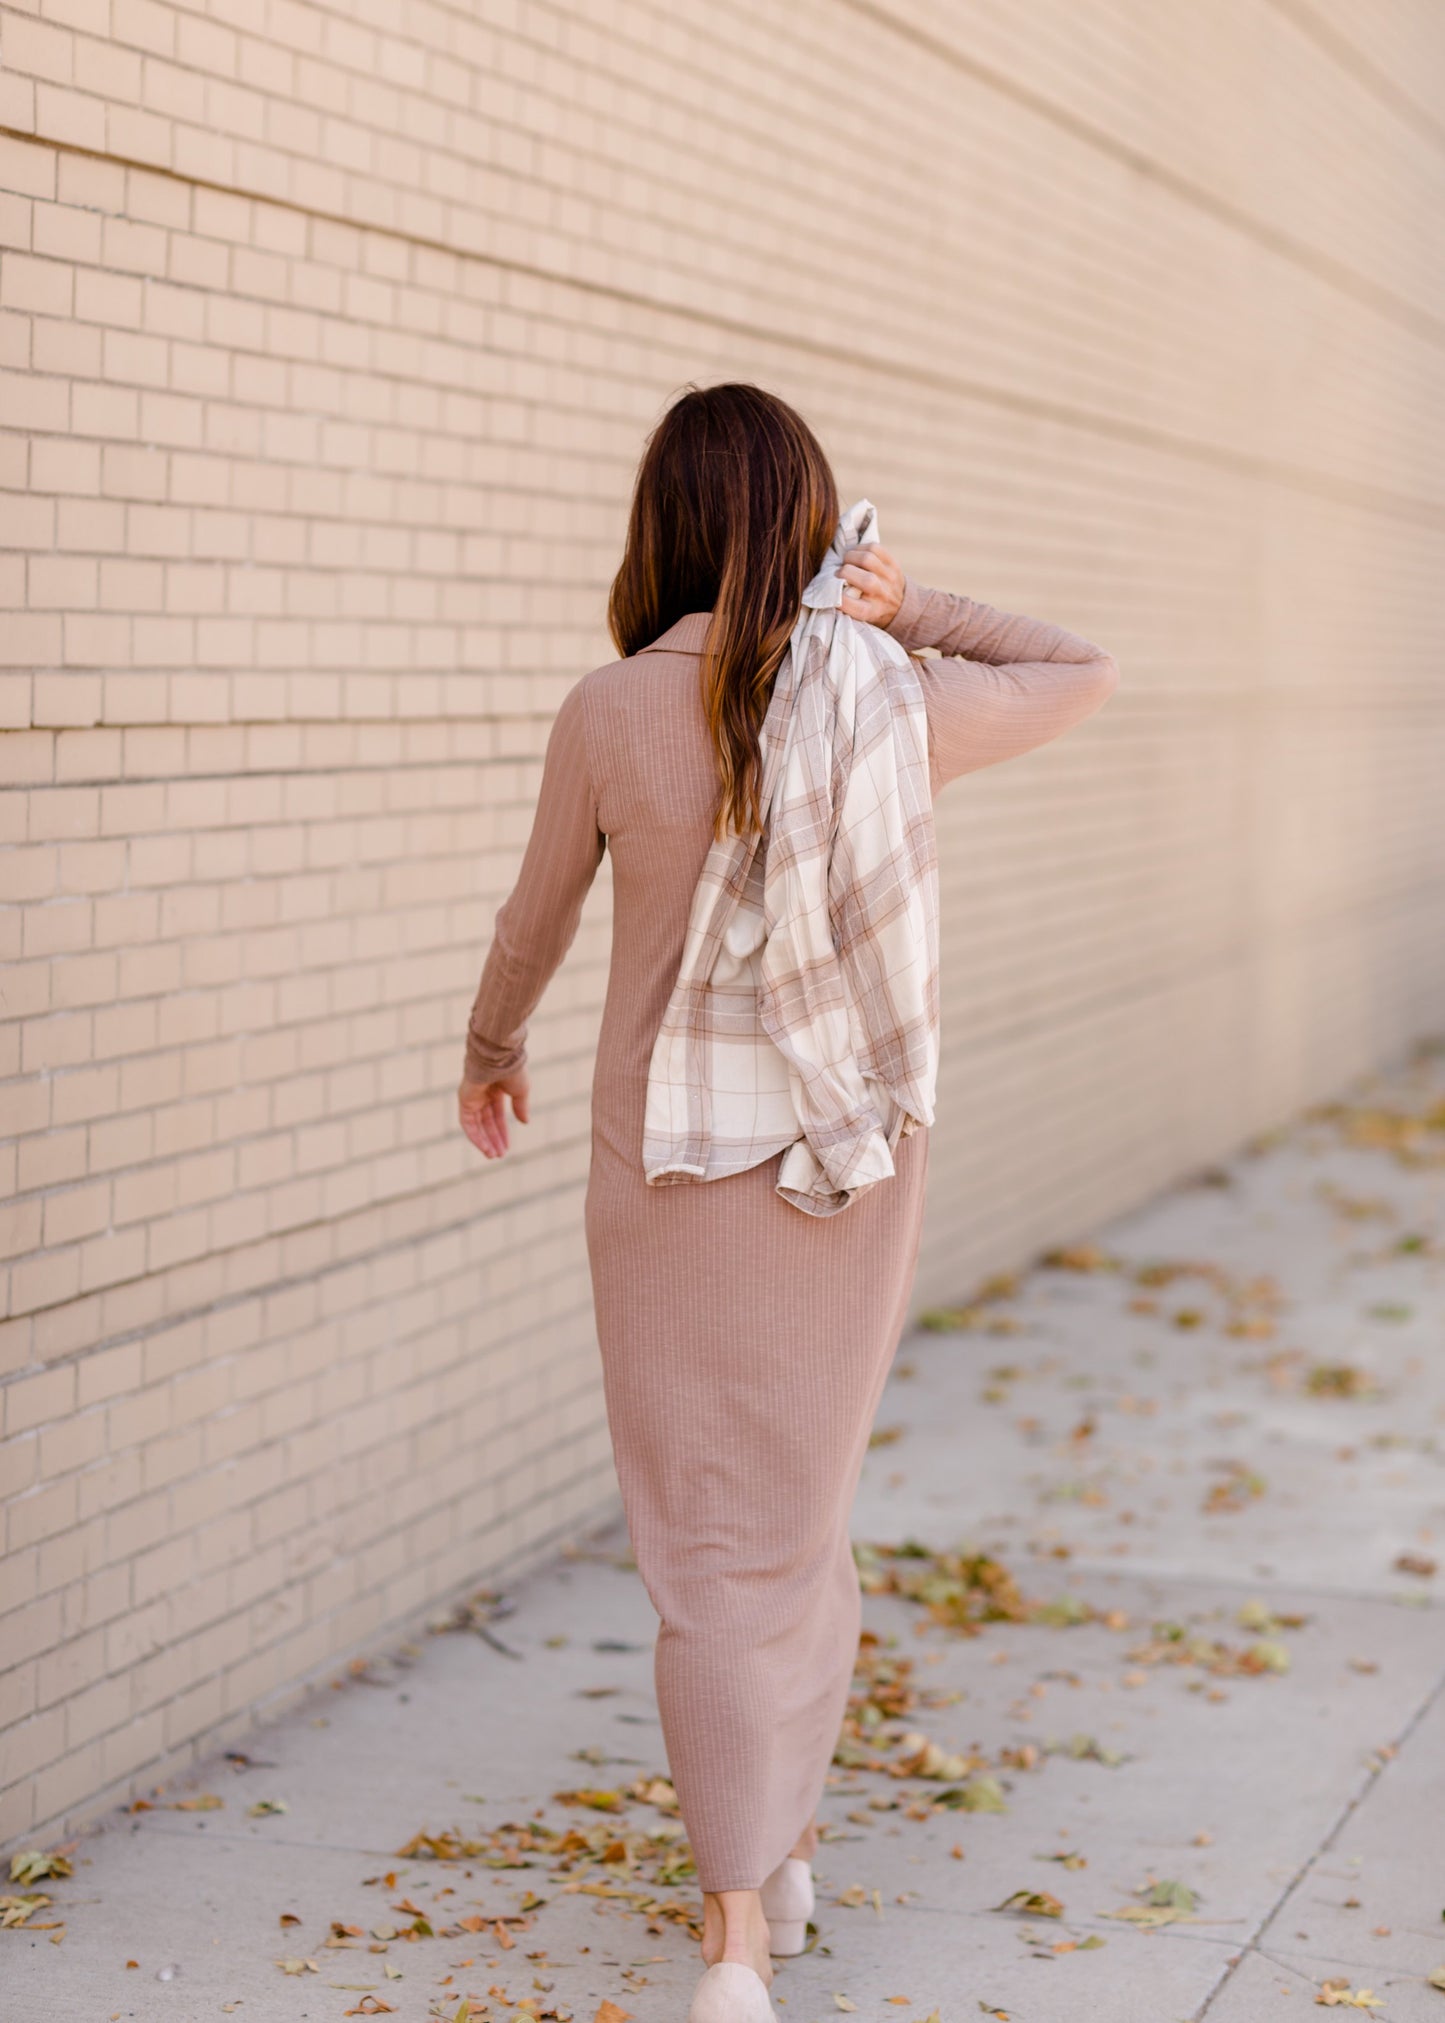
x: 731, y: 1993
x: 788, y: 1905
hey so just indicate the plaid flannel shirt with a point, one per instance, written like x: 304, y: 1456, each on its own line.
x: 804, y: 1018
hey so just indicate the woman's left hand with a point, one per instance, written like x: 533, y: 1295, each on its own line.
x: 874, y: 585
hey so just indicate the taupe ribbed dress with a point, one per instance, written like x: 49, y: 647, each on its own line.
x: 744, y: 1343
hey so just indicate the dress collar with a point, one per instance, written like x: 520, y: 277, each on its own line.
x: 685, y: 635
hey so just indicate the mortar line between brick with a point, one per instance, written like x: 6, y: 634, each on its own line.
x: 1385, y: 301
x: 293, y: 1696
x: 1095, y: 1002
x: 1359, y: 68
x: 1113, y: 427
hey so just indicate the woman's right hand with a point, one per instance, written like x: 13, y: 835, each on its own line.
x: 482, y: 1110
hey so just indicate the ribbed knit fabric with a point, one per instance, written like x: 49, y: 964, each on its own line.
x: 744, y: 1346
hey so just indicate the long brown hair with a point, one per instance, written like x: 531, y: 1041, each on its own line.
x: 733, y: 511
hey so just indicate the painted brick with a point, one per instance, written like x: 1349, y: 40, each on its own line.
x: 315, y: 465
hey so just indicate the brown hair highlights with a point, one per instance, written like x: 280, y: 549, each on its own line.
x: 733, y: 511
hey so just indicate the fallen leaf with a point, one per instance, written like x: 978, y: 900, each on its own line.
x: 980, y: 1794
x: 207, y: 1801
x: 1171, y: 1896
x: 1416, y: 1563
x: 597, y: 1801
x: 610, y: 2013
x: 1079, y: 1257
x: 1338, y: 1994
x: 1239, y: 1488
x: 15, y: 1910
x: 31, y: 1866
x: 1268, y: 1655
x: 1032, y: 1904
x: 1165, y: 1903
x: 842, y: 2002
x: 1338, y: 1380
x: 1084, y: 1748
x: 298, y: 1966
x: 264, y: 1807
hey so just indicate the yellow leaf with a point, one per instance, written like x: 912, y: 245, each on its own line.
x: 1032, y: 1904
x: 598, y: 1801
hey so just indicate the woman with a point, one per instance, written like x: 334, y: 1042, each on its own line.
x: 744, y: 1344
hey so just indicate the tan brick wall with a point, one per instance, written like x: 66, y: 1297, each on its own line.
x: 329, y: 334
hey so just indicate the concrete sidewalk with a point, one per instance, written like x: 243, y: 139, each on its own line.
x: 1195, y: 1466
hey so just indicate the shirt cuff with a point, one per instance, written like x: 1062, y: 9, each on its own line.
x: 904, y: 624
x: 487, y: 1062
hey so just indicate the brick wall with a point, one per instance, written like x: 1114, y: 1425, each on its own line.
x: 329, y: 334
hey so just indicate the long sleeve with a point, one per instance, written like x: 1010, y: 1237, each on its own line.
x: 535, y: 924
x: 1005, y: 683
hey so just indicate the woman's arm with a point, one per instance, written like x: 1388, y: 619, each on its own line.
x: 1005, y: 683
x: 535, y: 924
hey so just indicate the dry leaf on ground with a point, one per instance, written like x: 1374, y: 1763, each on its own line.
x: 33, y: 1866
x: 14, y: 1911
x: 1032, y: 1904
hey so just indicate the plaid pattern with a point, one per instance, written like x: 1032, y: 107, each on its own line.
x: 804, y: 1019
